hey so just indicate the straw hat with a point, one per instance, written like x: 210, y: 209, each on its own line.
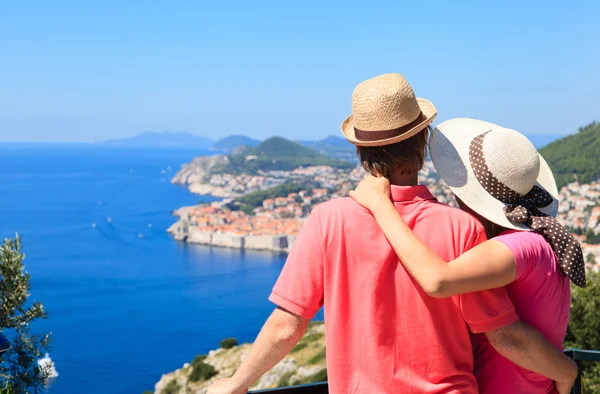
x: 385, y: 111
x: 510, y: 156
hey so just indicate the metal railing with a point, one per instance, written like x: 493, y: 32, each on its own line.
x: 321, y: 388
x: 579, y: 356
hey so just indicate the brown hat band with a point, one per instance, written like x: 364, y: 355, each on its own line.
x: 525, y: 209
x: 368, y: 136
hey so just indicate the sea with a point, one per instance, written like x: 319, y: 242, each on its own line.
x: 126, y: 303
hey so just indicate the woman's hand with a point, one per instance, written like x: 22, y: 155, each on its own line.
x: 372, y: 192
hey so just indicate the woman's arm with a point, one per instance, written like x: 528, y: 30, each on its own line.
x: 486, y: 266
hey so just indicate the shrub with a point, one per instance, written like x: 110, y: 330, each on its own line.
x: 171, y: 388
x: 199, y: 359
x: 201, y: 371
x: 147, y: 392
x: 19, y: 370
x: 228, y: 343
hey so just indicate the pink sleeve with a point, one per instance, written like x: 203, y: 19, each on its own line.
x: 521, y: 245
x: 299, y: 288
x: 487, y: 310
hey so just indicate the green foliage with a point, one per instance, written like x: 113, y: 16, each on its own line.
x: 201, y: 371
x: 577, y: 154
x: 320, y: 376
x: 171, y: 388
x: 278, y: 154
x: 199, y: 359
x: 299, y: 347
x: 591, y: 237
x: 148, y: 392
x: 228, y: 343
x: 18, y: 366
x: 317, y: 357
x: 584, y: 326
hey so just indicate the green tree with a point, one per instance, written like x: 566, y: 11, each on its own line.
x: 584, y: 326
x: 18, y: 366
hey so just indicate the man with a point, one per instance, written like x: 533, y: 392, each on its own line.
x: 383, y: 333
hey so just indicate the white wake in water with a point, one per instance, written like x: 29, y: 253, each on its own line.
x: 47, y: 365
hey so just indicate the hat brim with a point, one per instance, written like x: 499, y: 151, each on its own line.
x: 449, y: 147
x: 428, y: 110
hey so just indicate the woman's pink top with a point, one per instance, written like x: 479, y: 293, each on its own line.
x: 541, y: 295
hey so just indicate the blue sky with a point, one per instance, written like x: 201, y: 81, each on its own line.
x: 93, y: 70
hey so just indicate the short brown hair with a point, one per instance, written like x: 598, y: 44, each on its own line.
x: 406, y: 156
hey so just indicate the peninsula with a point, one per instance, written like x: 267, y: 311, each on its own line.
x: 268, y: 192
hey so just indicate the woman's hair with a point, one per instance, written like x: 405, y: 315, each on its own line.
x: 491, y: 229
x: 404, y: 157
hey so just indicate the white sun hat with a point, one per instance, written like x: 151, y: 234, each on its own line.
x: 510, y: 157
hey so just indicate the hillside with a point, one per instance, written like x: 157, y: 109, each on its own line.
x: 333, y: 146
x: 231, y: 142
x: 305, y: 364
x: 279, y: 154
x: 163, y: 139
x: 576, y: 156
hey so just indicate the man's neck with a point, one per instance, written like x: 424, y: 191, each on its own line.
x: 404, y: 179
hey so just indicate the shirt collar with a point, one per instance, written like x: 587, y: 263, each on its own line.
x: 410, y: 193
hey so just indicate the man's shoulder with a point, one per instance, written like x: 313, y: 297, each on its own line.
x: 338, y: 206
x: 455, y: 217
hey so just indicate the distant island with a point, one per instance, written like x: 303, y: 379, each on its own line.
x: 162, y: 139
x: 332, y: 146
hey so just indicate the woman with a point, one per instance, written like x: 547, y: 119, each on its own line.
x: 498, y: 176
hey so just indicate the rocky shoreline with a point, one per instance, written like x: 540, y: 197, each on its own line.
x: 196, y: 176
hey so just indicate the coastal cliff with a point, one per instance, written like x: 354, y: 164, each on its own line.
x: 196, y: 176
x: 305, y: 364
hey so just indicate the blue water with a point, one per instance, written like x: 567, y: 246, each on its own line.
x: 126, y: 302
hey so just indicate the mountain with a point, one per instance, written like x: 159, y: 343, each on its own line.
x: 231, y: 142
x: 163, y: 139
x: 333, y: 146
x: 575, y: 157
x: 279, y: 154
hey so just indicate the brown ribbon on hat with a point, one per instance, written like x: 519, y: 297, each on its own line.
x: 364, y: 135
x: 525, y: 209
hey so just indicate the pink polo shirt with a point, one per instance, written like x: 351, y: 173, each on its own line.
x: 542, y: 298
x: 383, y: 333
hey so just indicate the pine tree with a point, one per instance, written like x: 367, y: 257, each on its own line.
x: 19, y: 367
